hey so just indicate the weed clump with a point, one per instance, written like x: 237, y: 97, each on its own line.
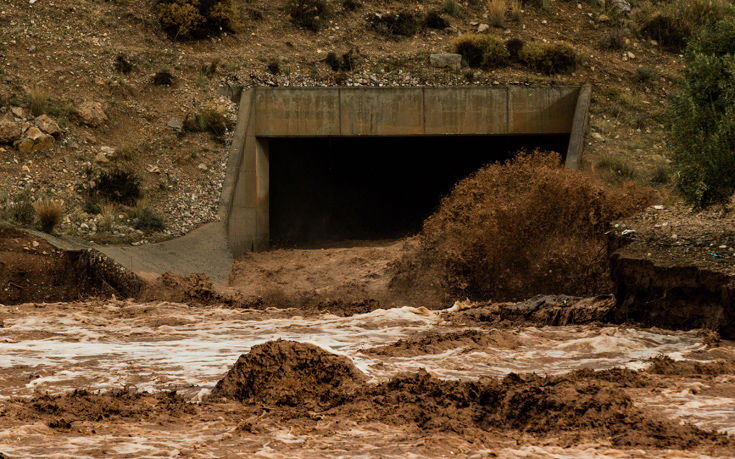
x: 549, y: 58
x: 402, y: 24
x: 208, y: 120
x: 122, y: 65
x: 514, y: 46
x: 672, y: 24
x: 117, y: 185
x: 645, y: 74
x: 481, y: 50
x: 49, y: 213
x: 346, y: 63
x: 195, y: 19
x: 163, y: 78
x: 513, y: 230
x: 309, y: 14
x: 146, y: 220
x: 22, y: 210
x: 702, y: 125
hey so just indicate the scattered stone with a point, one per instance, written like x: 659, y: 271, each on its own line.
x: 176, y: 124
x: 48, y: 125
x: 597, y: 136
x: 203, y: 167
x: 101, y: 158
x: 10, y: 130
x: 603, y: 18
x: 18, y: 111
x: 446, y: 60
x: 483, y: 28
x: 622, y: 6
x: 92, y: 114
x: 34, y: 140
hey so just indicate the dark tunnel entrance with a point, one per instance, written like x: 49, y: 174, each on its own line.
x: 324, y: 190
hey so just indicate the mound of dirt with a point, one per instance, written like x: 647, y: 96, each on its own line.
x: 59, y: 411
x: 665, y: 365
x: 194, y: 288
x: 291, y: 374
x: 32, y: 270
x: 436, y: 343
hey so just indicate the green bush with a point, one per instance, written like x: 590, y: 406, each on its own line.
x: 309, y: 14
x: 702, y: 118
x: 186, y: 19
x: 481, y: 50
x: 645, y: 74
x: 673, y: 23
x: 451, y: 7
x: 549, y: 58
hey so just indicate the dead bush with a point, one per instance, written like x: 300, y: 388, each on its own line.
x: 188, y: 19
x: 435, y: 20
x: 208, y: 120
x: 514, y: 230
x: 49, y: 213
x: 309, y: 14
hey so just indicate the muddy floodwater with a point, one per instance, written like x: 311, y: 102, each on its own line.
x: 110, y: 345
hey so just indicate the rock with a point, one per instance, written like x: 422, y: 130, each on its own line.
x: 603, y: 18
x: 107, y: 151
x: 18, y: 111
x: 446, y: 60
x: 176, y: 124
x: 622, y: 6
x: 9, y: 130
x: 483, y: 28
x: 92, y: 114
x: 48, y: 125
x: 597, y: 136
x: 35, y: 140
x: 101, y: 158
x: 203, y: 167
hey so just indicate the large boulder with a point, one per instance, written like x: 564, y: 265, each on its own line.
x: 92, y: 114
x: 10, y: 130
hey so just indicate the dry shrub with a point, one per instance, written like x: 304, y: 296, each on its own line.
x: 480, y: 50
x: 310, y: 14
x: 184, y: 19
x: 496, y: 12
x: 514, y: 230
x: 549, y: 58
x: 49, y: 213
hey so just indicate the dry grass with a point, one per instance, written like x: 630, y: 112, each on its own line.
x: 519, y: 229
x: 38, y: 100
x: 108, y: 217
x: 496, y: 12
x: 48, y: 213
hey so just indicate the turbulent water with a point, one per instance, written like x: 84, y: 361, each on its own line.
x: 59, y: 347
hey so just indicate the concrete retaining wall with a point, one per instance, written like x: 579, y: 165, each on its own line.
x: 354, y: 112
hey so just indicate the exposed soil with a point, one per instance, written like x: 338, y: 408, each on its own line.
x: 32, y: 270
x: 436, y: 342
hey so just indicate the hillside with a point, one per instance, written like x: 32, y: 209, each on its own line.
x: 72, y: 61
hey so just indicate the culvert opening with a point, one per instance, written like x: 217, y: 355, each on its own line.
x: 327, y: 191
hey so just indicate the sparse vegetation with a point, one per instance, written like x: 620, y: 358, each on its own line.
x: 208, y: 120
x: 673, y: 22
x: 615, y: 168
x: 346, y: 63
x: 481, y: 50
x: 309, y: 14
x: 194, y: 19
x: 549, y: 58
x: 702, y: 133
x: 49, y: 214
x: 514, y: 46
x: 613, y: 40
x: 163, y: 78
x: 38, y: 100
x: 117, y: 185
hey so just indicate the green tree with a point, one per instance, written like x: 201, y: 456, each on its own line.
x: 702, y: 118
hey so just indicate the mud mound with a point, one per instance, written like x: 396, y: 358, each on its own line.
x: 665, y: 365
x: 436, y: 343
x: 292, y: 374
x: 32, y: 270
x: 513, y: 230
x: 80, y: 405
x: 580, y: 402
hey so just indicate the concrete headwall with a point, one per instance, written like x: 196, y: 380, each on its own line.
x: 354, y: 112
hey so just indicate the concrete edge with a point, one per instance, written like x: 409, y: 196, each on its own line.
x: 579, y: 128
x: 236, y: 153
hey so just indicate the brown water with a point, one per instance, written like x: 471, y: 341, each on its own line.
x: 161, y: 346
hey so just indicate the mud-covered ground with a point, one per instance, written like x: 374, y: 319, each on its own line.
x: 134, y: 379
